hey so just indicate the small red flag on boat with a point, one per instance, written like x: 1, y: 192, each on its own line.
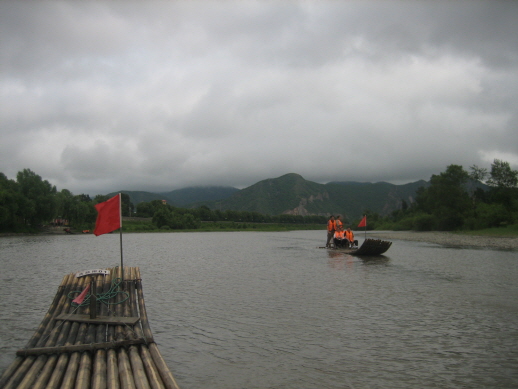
x: 79, y: 299
x: 363, y: 223
x: 108, y: 216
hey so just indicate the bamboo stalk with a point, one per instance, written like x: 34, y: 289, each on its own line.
x: 73, y: 363
x: 153, y: 375
x: 46, y: 373
x: 19, y: 374
x: 10, y: 371
x: 82, y: 347
x: 140, y: 366
x: 139, y: 373
x: 26, y: 372
x: 63, y: 359
x: 32, y: 373
x: 125, y: 375
x: 100, y: 368
x: 165, y: 373
x: 84, y: 372
x: 34, y: 339
x: 112, y: 377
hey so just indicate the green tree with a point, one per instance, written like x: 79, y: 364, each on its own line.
x: 503, y: 181
x: 11, y: 202
x: 40, y: 205
x: 127, y: 206
x: 446, y: 198
x: 502, y: 176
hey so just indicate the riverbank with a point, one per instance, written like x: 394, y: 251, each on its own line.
x: 450, y: 239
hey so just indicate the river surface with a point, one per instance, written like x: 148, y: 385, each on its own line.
x: 250, y: 310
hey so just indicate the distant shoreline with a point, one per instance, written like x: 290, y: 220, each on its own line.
x: 436, y: 237
x: 450, y: 239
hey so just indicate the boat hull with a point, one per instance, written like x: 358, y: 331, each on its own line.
x: 370, y: 247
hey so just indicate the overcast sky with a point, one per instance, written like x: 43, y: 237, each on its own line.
x: 102, y: 96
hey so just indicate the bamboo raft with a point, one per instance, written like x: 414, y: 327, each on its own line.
x: 370, y: 247
x: 75, y: 348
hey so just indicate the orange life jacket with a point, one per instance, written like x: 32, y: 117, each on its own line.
x: 339, y: 234
x: 331, y: 226
x: 349, y: 235
x: 338, y: 223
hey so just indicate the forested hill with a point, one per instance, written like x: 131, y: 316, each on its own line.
x: 180, y: 197
x: 292, y: 194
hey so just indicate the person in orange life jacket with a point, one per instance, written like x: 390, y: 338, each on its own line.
x: 330, y: 229
x: 338, y: 222
x: 339, y: 238
x: 349, y: 235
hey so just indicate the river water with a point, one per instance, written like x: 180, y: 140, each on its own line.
x: 271, y: 310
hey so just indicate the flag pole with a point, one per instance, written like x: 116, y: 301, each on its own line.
x: 120, y: 230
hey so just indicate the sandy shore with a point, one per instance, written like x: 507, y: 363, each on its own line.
x: 450, y: 239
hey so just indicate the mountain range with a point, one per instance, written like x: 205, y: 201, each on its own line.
x: 292, y: 194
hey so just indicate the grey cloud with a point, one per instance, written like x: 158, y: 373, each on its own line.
x: 102, y: 96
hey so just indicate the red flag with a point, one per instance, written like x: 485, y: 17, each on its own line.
x: 79, y: 299
x: 108, y: 216
x: 363, y: 223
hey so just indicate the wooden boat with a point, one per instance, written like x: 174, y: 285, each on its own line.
x: 74, y: 347
x: 370, y: 247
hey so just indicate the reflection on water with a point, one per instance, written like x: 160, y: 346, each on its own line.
x: 272, y: 310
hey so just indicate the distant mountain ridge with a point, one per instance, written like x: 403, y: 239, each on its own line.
x: 292, y: 194
x: 181, y: 197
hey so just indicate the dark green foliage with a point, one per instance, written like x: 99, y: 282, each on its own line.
x: 293, y: 194
x: 78, y: 210
x: 195, y: 195
x: 452, y: 200
x: 39, y: 203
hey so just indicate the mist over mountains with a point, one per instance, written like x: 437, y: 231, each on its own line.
x: 292, y: 194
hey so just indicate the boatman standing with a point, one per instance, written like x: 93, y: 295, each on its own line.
x: 338, y: 223
x: 331, y: 227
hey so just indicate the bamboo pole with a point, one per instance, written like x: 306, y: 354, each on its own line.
x: 45, y: 373
x: 153, y: 376
x: 20, y: 373
x: 165, y: 373
x: 100, y: 367
x: 73, y: 362
x: 24, y: 372
x: 139, y: 366
x: 32, y: 373
x: 125, y: 375
x: 139, y: 373
x: 112, y: 377
x: 63, y: 359
x: 37, y: 335
x: 84, y: 372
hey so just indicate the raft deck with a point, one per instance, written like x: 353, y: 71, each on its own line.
x: 73, y: 349
x: 370, y: 247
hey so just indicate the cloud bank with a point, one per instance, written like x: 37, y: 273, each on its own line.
x: 103, y: 96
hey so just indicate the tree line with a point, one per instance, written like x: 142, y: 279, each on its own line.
x: 454, y: 199
x: 29, y: 203
x: 457, y: 199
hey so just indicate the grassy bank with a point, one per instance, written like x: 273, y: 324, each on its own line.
x: 505, y: 231
x: 146, y: 226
